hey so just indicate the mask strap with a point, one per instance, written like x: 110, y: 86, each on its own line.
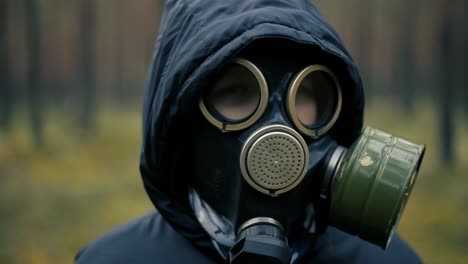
x: 309, y: 222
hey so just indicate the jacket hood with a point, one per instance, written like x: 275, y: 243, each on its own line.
x: 195, y: 39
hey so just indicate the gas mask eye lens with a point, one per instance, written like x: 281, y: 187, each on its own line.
x: 237, y: 98
x: 314, y: 100
x: 235, y: 95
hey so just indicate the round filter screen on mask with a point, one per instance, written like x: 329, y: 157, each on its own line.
x: 237, y: 97
x: 314, y: 100
x: 274, y: 159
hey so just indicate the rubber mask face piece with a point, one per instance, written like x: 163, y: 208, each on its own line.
x: 262, y: 172
x: 251, y: 158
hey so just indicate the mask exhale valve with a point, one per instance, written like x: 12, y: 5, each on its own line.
x: 260, y: 240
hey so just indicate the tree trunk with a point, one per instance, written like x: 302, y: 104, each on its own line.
x: 118, y: 86
x: 86, y: 66
x: 34, y: 70
x: 6, y: 91
x: 446, y: 122
x: 364, y: 44
x: 407, y: 58
x: 465, y: 62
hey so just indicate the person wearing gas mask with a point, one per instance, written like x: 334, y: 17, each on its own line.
x: 254, y: 149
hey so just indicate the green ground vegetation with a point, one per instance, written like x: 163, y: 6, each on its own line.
x: 55, y: 200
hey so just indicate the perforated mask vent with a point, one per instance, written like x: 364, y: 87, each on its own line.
x: 274, y: 159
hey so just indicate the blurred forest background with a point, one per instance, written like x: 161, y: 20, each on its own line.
x: 72, y: 77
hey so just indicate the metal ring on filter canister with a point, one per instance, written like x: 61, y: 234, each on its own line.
x: 232, y: 125
x: 329, y: 119
x: 372, y: 185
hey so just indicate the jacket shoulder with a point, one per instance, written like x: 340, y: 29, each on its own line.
x: 147, y: 239
x: 336, y: 246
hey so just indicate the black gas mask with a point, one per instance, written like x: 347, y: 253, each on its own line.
x: 263, y: 155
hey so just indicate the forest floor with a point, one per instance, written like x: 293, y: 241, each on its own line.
x: 55, y: 200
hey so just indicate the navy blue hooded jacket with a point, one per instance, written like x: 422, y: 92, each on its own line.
x: 196, y: 38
